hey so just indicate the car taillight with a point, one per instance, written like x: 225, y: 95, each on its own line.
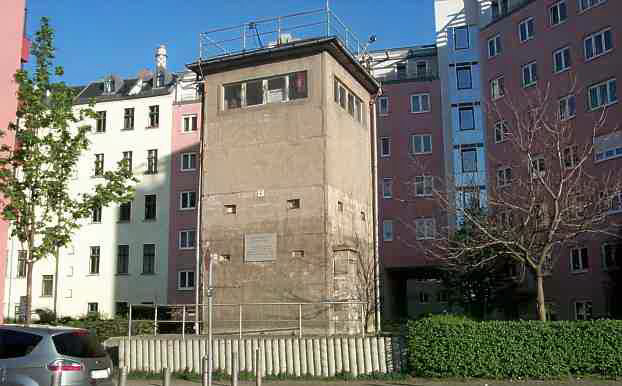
x: 65, y: 365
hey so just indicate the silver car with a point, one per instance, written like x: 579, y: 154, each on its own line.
x: 33, y: 355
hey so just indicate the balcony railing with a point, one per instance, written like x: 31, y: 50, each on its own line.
x: 416, y: 75
x: 502, y: 8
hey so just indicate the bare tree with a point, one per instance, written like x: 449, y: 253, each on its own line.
x: 545, y: 193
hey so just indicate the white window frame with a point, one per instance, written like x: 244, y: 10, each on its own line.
x: 387, y: 230
x: 469, y: 68
x: 540, y: 162
x: 462, y: 108
x: 584, y: 314
x: 565, y: 112
x: 579, y: 254
x: 501, y: 131
x: 497, y: 88
x: 602, y: 103
x: 426, y: 183
x: 428, y: 224
x: 186, y: 287
x: 502, y: 177
x: 556, y: 6
x: 608, y: 153
x: 189, y: 155
x: 181, y: 199
x: 420, y: 103
x: 381, y: 111
x: 592, y: 37
x: 565, y: 66
x: 464, y: 150
x: 497, y: 46
x: 387, y: 187
x: 187, y: 232
x: 91, y: 309
x: 532, y: 67
x: 468, y: 38
x: 590, y: 4
x: 382, y: 153
x: 183, y: 123
x: 526, y: 22
x: 413, y: 142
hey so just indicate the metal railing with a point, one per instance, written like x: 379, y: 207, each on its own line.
x: 253, y: 318
x: 273, y: 32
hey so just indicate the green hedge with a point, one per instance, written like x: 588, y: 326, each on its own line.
x: 448, y: 346
x: 108, y: 328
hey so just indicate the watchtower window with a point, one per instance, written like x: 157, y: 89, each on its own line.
x: 275, y: 89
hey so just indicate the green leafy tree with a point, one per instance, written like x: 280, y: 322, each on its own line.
x: 35, y: 172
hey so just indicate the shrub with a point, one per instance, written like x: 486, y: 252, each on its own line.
x: 450, y: 346
x: 104, y: 328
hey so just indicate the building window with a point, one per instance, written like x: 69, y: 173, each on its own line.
x: 614, y: 151
x: 148, y: 259
x: 125, y: 211
x: 340, y: 206
x: 275, y: 89
x: 401, y: 70
x: 469, y: 160
x: 570, y: 156
x: 189, y: 123
x: 583, y: 310
x: 603, y: 94
x: 94, y: 261
x: 185, y: 280
x: 470, y: 198
x: 501, y: 131
x: 187, y: 239
x: 93, y: 308
x: 424, y: 297
x: 504, y: 177
x: 425, y: 228
x: 422, y: 68
x: 123, y: 259
x: 231, y: 209
x: 494, y: 46
x: 96, y: 216
x: 100, y: 120
x: 353, y: 104
x: 99, y: 165
x: 22, y: 267
x: 150, y: 207
x: 188, y: 162
x: 128, y: 119
x: 461, y: 37
x: 612, y: 256
x: 558, y: 13
x: 537, y: 167
x: 420, y: 144
x: 587, y: 4
x: 598, y: 44
x: 127, y: 159
x: 420, y: 103
x: 385, y: 147
x: 293, y: 204
x: 387, y: 187
x: 526, y: 29
x: 154, y: 116
x: 561, y: 59
x: 121, y: 309
x: 47, y: 285
x: 152, y: 161
x: 467, y: 118
x: 387, y: 230
x: 497, y: 88
x: 567, y: 107
x: 383, y: 105
x: 187, y: 200
x: 463, y: 76
x: 424, y: 186
x: 530, y: 74
x: 579, y: 261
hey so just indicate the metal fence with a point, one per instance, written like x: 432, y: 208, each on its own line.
x: 272, y: 32
x: 253, y: 318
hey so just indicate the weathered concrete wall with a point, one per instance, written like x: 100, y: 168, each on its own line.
x: 319, y: 356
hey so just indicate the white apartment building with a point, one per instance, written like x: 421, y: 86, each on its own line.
x: 120, y: 254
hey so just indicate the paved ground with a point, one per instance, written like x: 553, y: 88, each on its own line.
x: 410, y: 382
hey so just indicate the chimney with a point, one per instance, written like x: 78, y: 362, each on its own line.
x: 160, y: 57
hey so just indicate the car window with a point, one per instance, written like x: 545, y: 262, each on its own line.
x: 78, y: 344
x: 15, y: 344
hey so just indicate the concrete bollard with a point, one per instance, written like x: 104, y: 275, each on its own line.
x: 57, y: 378
x: 166, y: 377
x: 122, y: 376
x: 257, y: 368
x: 234, y: 369
x: 204, y: 372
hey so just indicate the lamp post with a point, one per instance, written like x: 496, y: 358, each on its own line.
x: 213, y: 258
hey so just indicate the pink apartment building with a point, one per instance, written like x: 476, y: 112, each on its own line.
x: 533, y: 44
x: 16, y: 47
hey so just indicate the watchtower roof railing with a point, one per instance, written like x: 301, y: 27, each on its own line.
x: 272, y: 32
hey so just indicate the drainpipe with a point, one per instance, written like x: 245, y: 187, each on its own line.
x: 375, y: 223
x: 198, y: 274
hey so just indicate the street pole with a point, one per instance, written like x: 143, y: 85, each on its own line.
x: 210, y: 296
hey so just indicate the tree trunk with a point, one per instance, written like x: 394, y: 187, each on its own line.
x: 540, y: 299
x: 27, y: 311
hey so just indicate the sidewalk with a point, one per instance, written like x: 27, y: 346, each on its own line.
x: 411, y: 382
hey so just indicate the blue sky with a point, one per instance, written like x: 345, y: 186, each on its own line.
x: 99, y: 37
